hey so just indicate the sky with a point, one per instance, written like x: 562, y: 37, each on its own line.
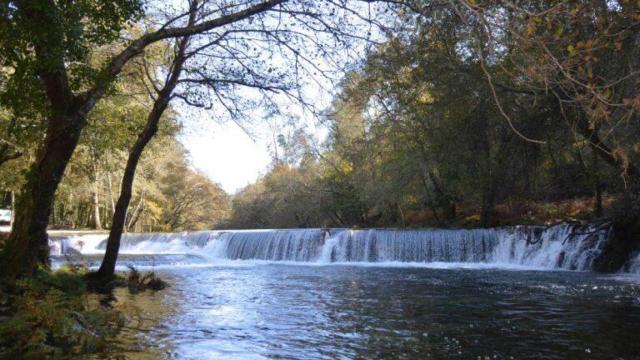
x: 230, y: 156
x: 227, y: 155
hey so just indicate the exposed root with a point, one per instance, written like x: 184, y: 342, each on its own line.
x: 138, y: 282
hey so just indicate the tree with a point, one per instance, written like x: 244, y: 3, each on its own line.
x: 584, y: 55
x: 239, y: 56
x: 192, y: 201
x: 38, y: 39
x: 160, y: 104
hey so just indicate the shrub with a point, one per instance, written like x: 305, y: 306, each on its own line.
x: 50, y: 318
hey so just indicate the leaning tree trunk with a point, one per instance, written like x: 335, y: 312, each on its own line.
x: 108, y: 266
x: 28, y: 243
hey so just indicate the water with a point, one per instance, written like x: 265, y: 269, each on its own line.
x: 570, y: 247
x: 247, y: 310
x: 375, y: 294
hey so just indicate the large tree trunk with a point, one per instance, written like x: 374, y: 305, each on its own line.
x: 28, y: 244
x: 487, y: 210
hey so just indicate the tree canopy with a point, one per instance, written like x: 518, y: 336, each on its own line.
x: 473, y: 113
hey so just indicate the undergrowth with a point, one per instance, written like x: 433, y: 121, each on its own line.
x: 51, y: 316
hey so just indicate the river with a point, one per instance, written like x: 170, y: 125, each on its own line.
x: 379, y: 294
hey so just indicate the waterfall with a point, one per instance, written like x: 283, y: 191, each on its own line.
x: 410, y: 246
x: 564, y: 246
x: 571, y: 247
x: 277, y: 245
x: 84, y: 244
x: 633, y: 266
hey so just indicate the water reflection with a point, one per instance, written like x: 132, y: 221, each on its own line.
x: 343, y: 312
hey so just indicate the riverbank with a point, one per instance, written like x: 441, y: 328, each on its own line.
x: 62, y: 314
x: 513, y: 213
x: 54, y: 315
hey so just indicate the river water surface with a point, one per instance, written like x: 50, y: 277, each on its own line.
x: 516, y: 293
x: 256, y: 310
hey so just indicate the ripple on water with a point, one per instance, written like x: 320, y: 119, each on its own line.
x: 312, y: 312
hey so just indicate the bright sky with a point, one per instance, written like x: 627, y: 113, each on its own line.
x: 232, y: 158
x: 226, y: 154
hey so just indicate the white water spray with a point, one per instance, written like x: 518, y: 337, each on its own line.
x: 565, y: 246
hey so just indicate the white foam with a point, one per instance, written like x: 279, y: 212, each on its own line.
x: 566, y: 246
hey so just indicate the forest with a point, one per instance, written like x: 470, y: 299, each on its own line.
x: 168, y: 194
x: 449, y: 114
x: 472, y: 115
x: 440, y: 127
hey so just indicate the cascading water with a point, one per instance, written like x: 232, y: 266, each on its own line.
x: 410, y: 246
x: 83, y: 244
x: 565, y: 246
x: 279, y: 245
x: 633, y: 266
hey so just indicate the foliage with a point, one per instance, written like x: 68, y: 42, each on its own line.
x: 281, y: 199
x: 50, y: 318
x: 469, y: 111
x: 89, y: 189
x: 168, y: 194
x: 78, y: 28
x: 187, y: 199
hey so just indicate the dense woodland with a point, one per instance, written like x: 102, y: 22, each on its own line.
x: 460, y: 113
x: 168, y: 194
x: 439, y: 126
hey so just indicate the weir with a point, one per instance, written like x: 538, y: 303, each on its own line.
x: 564, y: 246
